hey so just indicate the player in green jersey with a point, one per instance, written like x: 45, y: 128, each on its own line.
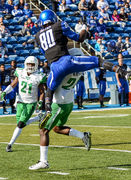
x: 30, y: 80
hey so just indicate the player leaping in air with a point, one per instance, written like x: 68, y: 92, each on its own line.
x: 53, y: 39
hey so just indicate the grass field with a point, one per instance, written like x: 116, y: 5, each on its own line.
x: 108, y: 159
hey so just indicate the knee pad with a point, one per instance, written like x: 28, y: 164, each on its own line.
x: 21, y: 124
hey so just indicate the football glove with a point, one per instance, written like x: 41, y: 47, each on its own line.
x: 3, y: 94
x: 39, y: 105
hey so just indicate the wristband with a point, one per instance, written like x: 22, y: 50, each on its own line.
x: 8, y: 89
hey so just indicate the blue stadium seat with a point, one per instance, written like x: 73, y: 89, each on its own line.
x: 6, y: 22
x: 119, y: 29
x: 24, y: 53
x: 20, y: 59
x: 22, y: 39
x: 128, y: 24
x: 72, y: 25
x: 13, y: 22
x: 9, y: 47
x: 18, y: 47
x: 2, y: 60
x: 124, y: 35
x: 41, y: 57
x: 11, y: 40
x: 4, y: 40
x: 34, y: 52
x: 114, y: 35
x: 127, y: 29
x: 29, y: 46
x: 18, y: 27
x: 11, y: 27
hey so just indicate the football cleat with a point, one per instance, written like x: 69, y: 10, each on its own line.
x: 44, y: 119
x: 39, y: 165
x: 8, y: 148
x: 87, y: 140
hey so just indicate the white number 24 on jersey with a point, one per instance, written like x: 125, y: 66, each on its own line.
x: 47, y: 39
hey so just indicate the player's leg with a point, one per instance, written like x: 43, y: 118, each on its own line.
x: 44, y: 138
x: 24, y: 112
x: 102, y: 89
x: 44, y: 143
x: 65, y: 130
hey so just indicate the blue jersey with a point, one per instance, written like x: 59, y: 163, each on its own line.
x: 53, y: 40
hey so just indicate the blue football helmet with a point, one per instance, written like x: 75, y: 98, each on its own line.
x: 47, y: 16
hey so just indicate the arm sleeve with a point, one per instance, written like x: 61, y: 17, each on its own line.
x: 68, y: 32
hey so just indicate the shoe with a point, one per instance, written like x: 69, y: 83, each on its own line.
x: 5, y: 112
x: 103, y: 105
x: 39, y: 165
x: 87, y: 140
x: 8, y: 148
x: 44, y: 119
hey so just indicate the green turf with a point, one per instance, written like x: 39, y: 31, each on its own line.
x: 107, y: 133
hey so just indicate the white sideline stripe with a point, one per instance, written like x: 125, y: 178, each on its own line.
x: 75, y: 125
x: 3, y: 178
x: 60, y: 173
x: 108, y: 115
x: 96, y: 149
x: 121, y: 169
x: 34, y: 135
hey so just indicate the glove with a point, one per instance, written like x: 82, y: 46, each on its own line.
x: 3, y: 94
x: 39, y: 105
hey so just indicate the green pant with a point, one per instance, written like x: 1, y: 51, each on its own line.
x: 60, y: 114
x: 25, y: 111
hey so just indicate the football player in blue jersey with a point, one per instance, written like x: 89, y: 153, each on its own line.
x: 53, y: 39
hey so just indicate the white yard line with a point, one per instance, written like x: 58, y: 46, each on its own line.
x: 60, y: 173
x: 95, y: 149
x: 75, y: 125
x: 3, y: 178
x: 121, y: 169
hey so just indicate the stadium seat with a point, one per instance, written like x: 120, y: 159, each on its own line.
x: 2, y: 60
x: 24, y: 53
x: 34, y: 52
x: 9, y: 47
x: 118, y: 29
x: 41, y: 57
x: 22, y: 39
x: 11, y: 28
x: 128, y: 24
x: 13, y: 22
x: 124, y: 35
x: 29, y: 46
x: 4, y: 40
x: 114, y: 35
x: 20, y: 59
x: 11, y: 40
x: 127, y: 29
x: 18, y: 47
x: 18, y: 27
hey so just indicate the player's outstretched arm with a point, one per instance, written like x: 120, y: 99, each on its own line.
x: 9, y: 89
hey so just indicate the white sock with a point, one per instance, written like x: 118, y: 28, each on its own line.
x: 31, y: 120
x: 43, y: 153
x: 16, y: 134
x: 76, y: 133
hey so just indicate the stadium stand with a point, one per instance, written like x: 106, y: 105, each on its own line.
x: 18, y: 51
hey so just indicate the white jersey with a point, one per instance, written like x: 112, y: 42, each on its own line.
x: 64, y: 94
x: 28, y: 85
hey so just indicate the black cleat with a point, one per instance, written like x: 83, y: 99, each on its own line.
x: 87, y: 140
x: 8, y: 148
